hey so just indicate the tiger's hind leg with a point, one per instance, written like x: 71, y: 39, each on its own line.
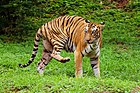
x: 46, y: 56
x: 95, y: 66
x: 44, y: 61
x: 56, y: 53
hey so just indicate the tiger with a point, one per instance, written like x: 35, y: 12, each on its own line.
x: 73, y: 34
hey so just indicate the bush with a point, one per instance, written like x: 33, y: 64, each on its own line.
x: 21, y: 18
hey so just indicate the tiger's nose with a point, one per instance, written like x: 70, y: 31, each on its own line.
x: 88, y: 40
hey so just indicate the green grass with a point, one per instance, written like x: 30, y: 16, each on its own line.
x: 120, y: 60
x: 120, y: 71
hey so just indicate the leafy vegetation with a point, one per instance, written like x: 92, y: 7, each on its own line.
x: 120, y: 65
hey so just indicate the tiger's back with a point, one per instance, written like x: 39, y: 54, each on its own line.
x: 65, y: 30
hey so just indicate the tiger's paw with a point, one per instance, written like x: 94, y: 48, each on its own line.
x: 64, y: 60
x: 40, y: 67
x: 40, y: 71
x: 60, y: 58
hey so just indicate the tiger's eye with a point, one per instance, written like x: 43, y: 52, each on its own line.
x: 94, y: 28
x: 86, y: 29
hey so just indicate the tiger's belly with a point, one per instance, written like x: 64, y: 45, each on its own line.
x: 69, y: 47
x: 91, y: 50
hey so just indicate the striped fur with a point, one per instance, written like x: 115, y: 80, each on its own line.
x: 73, y: 34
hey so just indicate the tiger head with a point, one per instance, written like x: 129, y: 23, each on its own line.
x: 93, y: 32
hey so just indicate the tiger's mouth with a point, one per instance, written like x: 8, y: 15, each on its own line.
x: 89, y: 42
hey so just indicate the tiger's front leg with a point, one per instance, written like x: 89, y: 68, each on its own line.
x: 78, y: 64
x: 95, y: 66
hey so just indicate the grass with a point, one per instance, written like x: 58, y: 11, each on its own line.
x: 120, y: 61
x: 120, y: 71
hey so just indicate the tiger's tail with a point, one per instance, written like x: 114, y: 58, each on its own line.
x: 35, y: 49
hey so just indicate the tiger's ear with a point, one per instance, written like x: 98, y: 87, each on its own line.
x: 87, y: 21
x: 102, y: 25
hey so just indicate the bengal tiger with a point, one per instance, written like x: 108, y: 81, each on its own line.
x: 73, y: 34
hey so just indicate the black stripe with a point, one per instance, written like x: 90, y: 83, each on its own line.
x: 44, y: 58
x: 71, y: 48
x: 40, y: 29
x: 96, y: 47
x: 62, y: 42
x: 53, y: 30
x: 57, y: 45
x: 69, y: 42
x: 93, y: 59
x: 97, y: 53
x: 35, y: 49
x: 63, y: 22
x: 45, y: 29
x: 33, y: 55
x: 72, y: 22
x: 53, y: 41
x: 91, y: 47
x: 20, y: 65
x: 55, y: 25
x: 67, y: 21
x: 45, y: 51
x: 58, y: 21
x: 45, y: 63
x: 86, y: 51
x: 68, y: 29
x: 36, y: 40
x: 59, y: 42
x: 29, y: 62
x: 48, y: 26
x: 38, y: 35
x: 59, y: 37
x: 57, y: 49
x: 35, y: 45
x: 24, y: 65
x: 72, y: 19
x: 93, y: 66
x: 82, y: 54
x: 61, y: 17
